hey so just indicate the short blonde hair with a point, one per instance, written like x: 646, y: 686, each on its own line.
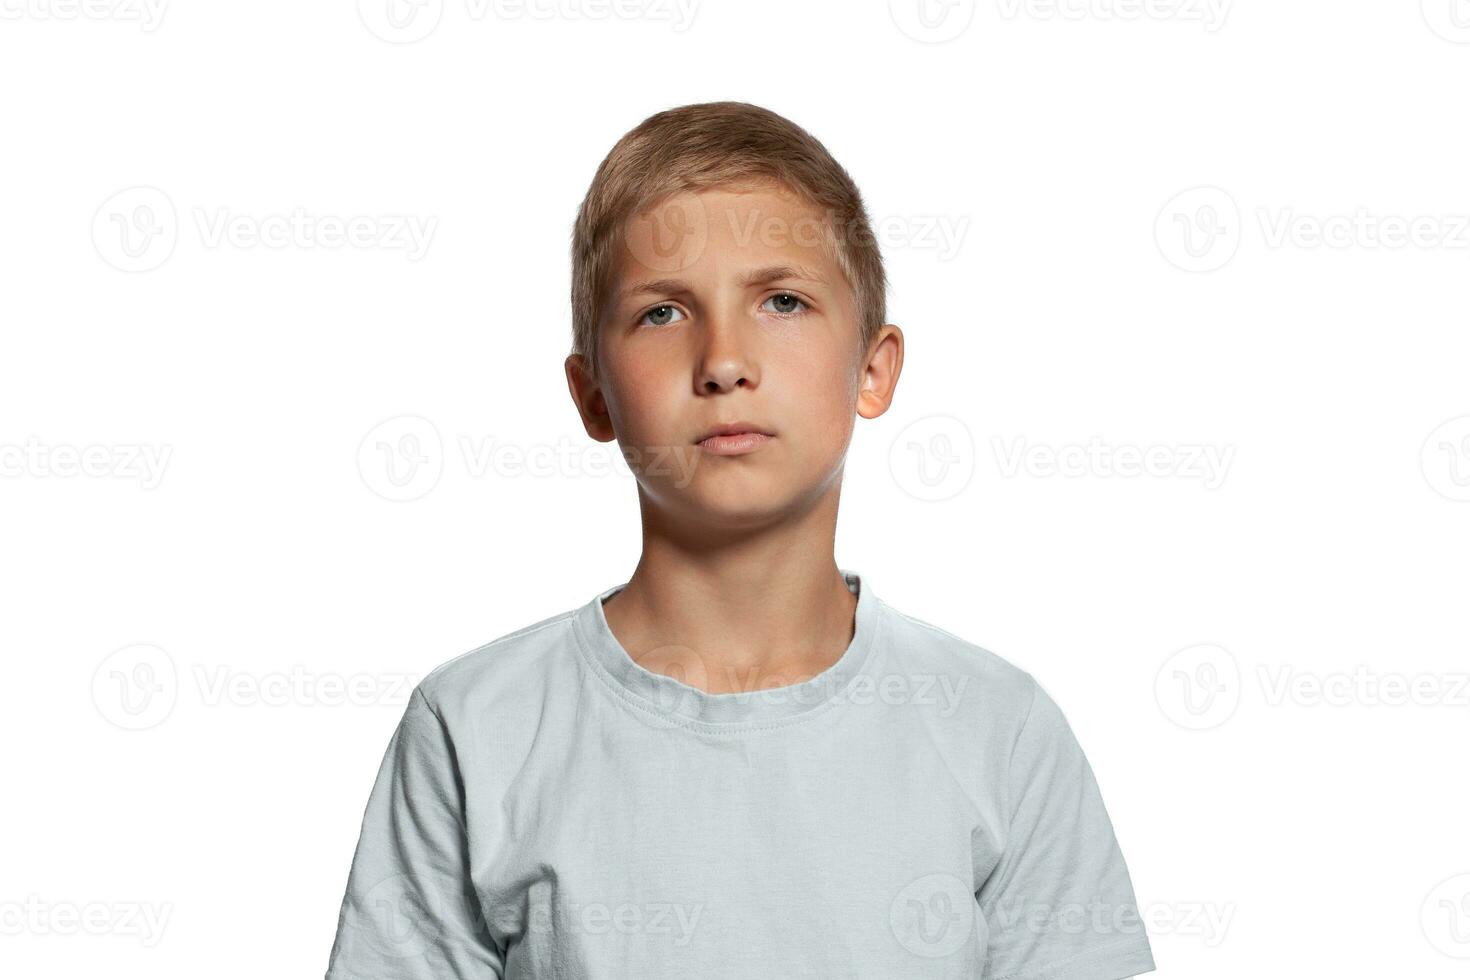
x: 711, y: 144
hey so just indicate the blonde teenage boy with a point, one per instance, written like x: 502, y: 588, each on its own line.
x: 741, y: 762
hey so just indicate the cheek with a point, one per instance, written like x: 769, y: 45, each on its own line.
x: 819, y: 401
x: 640, y: 401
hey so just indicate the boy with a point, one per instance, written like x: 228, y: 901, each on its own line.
x: 740, y: 762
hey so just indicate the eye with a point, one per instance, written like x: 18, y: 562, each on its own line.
x: 783, y: 300
x: 660, y: 316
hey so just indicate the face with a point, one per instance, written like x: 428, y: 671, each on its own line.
x: 727, y: 310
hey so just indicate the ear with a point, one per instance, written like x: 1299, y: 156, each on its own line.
x: 879, y: 378
x: 587, y: 396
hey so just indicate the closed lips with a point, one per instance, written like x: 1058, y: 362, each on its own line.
x: 735, y: 429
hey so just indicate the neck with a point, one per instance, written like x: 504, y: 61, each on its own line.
x: 759, y: 607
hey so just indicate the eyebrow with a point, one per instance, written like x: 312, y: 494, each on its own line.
x: 757, y: 277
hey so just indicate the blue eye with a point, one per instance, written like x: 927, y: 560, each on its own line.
x: 788, y: 298
x: 659, y: 315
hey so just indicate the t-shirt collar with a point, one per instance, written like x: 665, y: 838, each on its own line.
x: 689, y: 705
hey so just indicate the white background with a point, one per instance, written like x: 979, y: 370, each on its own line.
x: 1226, y: 641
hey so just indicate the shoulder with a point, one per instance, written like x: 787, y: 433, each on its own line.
x: 999, y: 705
x: 518, y: 664
x: 993, y: 686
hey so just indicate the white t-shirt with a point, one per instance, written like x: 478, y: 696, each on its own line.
x: 920, y: 809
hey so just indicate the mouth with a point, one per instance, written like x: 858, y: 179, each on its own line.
x: 734, y: 438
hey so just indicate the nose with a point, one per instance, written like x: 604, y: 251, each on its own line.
x: 725, y: 361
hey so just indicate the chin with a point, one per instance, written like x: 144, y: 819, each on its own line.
x: 734, y: 504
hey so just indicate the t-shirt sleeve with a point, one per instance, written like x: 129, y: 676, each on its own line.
x: 1059, y: 903
x: 410, y: 911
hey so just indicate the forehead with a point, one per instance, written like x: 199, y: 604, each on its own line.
x: 728, y: 231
